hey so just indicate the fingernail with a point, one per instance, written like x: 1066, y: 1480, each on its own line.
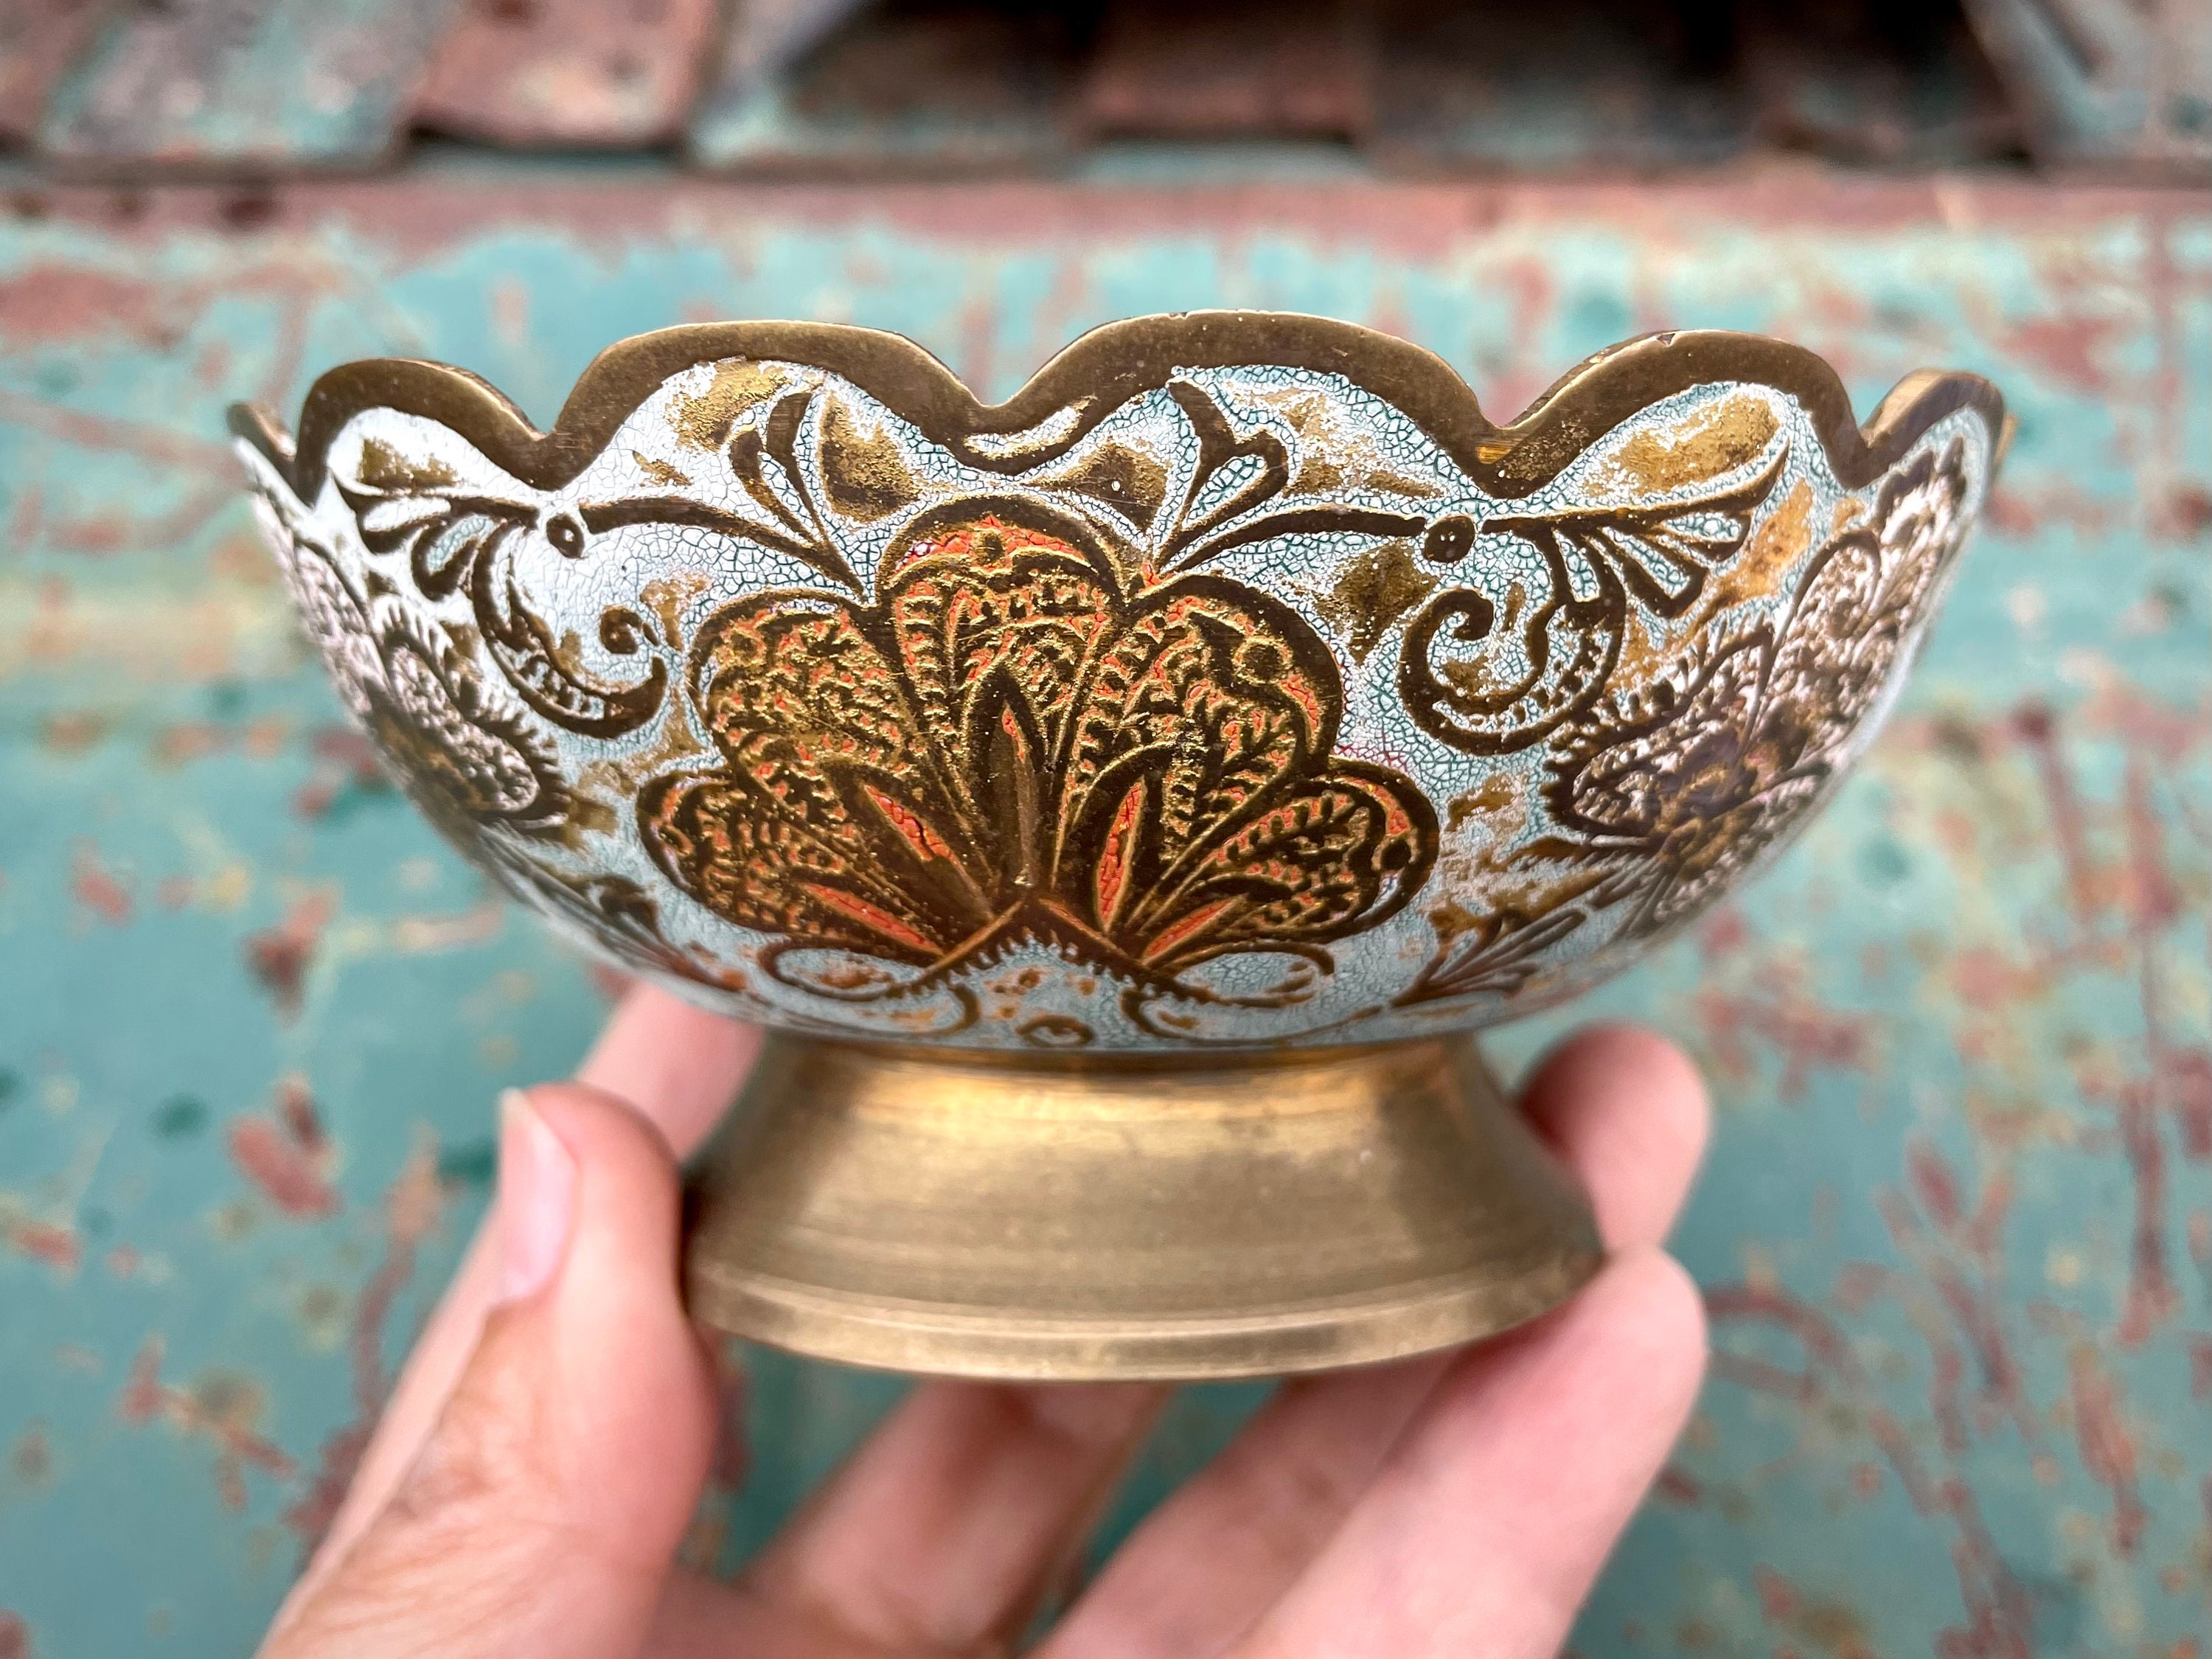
x: 536, y: 1198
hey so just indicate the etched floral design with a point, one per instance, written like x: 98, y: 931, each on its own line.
x: 1678, y: 788
x: 617, y: 913
x: 468, y: 759
x: 1124, y: 712
x: 1009, y: 746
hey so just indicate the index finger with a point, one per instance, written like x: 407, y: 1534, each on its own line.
x: 680, y: 1066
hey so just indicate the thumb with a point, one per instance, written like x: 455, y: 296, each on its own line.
x: 542, y: 1514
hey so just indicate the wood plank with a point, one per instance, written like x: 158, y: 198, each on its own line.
x: 1901, y: 89
x: 37, y: 40
x: 2106, y: 83
x: 1248, y: 69
x: 1571, y: 86
x: 829, y: 85
x: 597, y: 73
x: 244, y: 86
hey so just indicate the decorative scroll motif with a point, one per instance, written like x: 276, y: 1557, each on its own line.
x: 1600, y: 565
x: 456, y: 542
x: 1220, y: 703
x: 464, y: 754
x: 610, y: 909
x: 1687, y: 784
x: 1666, y: 792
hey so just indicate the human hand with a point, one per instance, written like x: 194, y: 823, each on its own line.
x: 542, y: 1454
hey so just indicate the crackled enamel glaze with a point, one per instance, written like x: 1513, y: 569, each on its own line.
x: 1236, y: 682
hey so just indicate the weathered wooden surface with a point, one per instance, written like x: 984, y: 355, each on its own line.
x: 834, y: 87
x: 1899, y: 85
x: 585, y: 73
x: 39, y: 39
x: 1956, y: 1233
x: 2109, y: 83
x: 243, y: 86
x: 1280, y: 68
x: 897, y: 88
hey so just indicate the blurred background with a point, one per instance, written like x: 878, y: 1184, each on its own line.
x: 1956, y: 1232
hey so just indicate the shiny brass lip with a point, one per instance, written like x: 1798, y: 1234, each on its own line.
x: 1104, y: 367
x: 1332, y: 1335
x: 1179, y: 1062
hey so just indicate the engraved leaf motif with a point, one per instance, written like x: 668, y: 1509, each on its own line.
x: 1235, y: 477
x: 863, y: 473
x: 1009, y: 746
x: 1664, y: 793
x: 1684, y: 788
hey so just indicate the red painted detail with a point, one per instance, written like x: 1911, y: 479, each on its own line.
x: 278, y: 958
x: 286, y: 1155
x: 873, y: 917
x: 55, y: 1245
x: 1117, y: 857
x: 98, y: 889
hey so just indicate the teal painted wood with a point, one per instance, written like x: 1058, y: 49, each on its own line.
x: 802, y: 87
x: 1956, y: 1232
x: 2103, y: 82
x: 214, y: 86
x: 38, y: 40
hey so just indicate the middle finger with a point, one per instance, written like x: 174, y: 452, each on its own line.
x: 952, y: 1522
x: 1628, y: 1112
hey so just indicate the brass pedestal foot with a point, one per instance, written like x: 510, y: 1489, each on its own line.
x: 1066, y: 1218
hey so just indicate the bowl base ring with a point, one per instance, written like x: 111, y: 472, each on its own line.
x: 1082, y: 1217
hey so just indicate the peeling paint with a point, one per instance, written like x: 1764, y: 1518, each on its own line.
x: 1956, y: 1232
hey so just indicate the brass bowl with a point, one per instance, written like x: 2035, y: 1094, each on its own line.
x: 1123, y: 801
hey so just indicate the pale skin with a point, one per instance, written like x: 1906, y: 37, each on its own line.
x: 542, y: 1454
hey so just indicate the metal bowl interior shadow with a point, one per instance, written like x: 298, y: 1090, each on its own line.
x: 1122, y: 802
